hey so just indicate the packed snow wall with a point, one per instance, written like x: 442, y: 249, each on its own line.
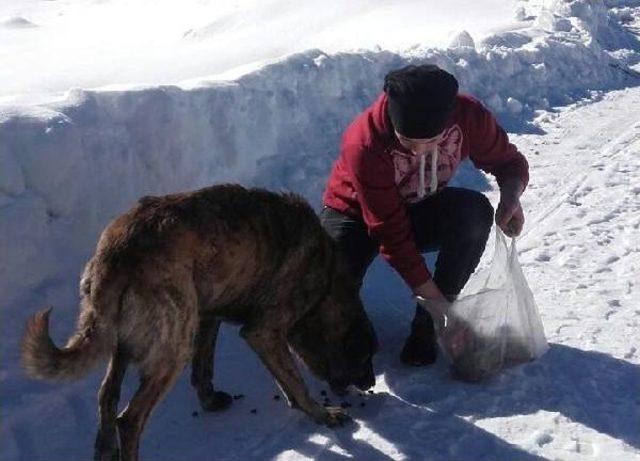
x: 67, y: 168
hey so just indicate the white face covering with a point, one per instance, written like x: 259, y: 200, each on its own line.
x: 423, y: 147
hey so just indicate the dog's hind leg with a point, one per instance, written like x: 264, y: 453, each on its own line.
x: 165, y: 323
x: 106, y: 446
x: 153, y: 386
x: 202, y: 367
x: 272, y: 348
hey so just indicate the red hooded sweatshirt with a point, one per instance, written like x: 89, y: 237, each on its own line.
x: 375, y: 178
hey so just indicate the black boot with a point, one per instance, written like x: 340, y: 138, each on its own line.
x: 421, y: 347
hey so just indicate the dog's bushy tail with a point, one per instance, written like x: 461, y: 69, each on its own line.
x: 93, y: 340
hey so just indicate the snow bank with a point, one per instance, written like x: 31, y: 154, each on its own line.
x: 67, y: 168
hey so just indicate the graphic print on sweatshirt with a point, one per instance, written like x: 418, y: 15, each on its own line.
x: 407, y: 166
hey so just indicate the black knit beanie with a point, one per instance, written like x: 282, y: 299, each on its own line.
x: 421, y: 99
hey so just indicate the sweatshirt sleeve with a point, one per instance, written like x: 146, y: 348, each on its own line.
x: 491, y: 150
x: 384, y: 212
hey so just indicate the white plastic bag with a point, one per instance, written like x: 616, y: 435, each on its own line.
x: 495, y: 324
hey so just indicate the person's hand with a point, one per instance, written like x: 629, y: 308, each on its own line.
x: 455, y: 335
x: 429, y: 296
x: 509, y: 215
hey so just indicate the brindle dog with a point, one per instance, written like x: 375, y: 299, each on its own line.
x: 168, y: 271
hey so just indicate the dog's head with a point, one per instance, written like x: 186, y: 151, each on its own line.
x: 336, y: 338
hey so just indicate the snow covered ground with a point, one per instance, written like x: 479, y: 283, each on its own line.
x: 67, y: 167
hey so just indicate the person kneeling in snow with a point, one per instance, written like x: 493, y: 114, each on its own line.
x: 386, y: 192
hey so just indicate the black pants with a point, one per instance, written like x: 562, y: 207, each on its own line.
x: 454, y: 221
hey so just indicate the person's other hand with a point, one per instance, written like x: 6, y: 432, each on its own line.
x: 510, y: 217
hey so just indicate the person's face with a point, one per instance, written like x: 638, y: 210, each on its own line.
x: 420, y: 146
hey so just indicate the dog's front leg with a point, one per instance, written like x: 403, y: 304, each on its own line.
x: 202, y: 367
x: 272, y: 348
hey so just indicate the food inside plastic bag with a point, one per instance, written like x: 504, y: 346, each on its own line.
x: 495, y: 324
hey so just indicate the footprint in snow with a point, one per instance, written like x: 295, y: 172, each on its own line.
x: 17, y: 22
x: 543, y: 257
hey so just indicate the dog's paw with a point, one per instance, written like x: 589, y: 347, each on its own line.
x: 334, y: 417
x: 216, y: 401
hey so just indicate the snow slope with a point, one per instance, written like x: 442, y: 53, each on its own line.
x: 66, y: 168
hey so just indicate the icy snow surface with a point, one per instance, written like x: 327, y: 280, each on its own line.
x: 67, y: 167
